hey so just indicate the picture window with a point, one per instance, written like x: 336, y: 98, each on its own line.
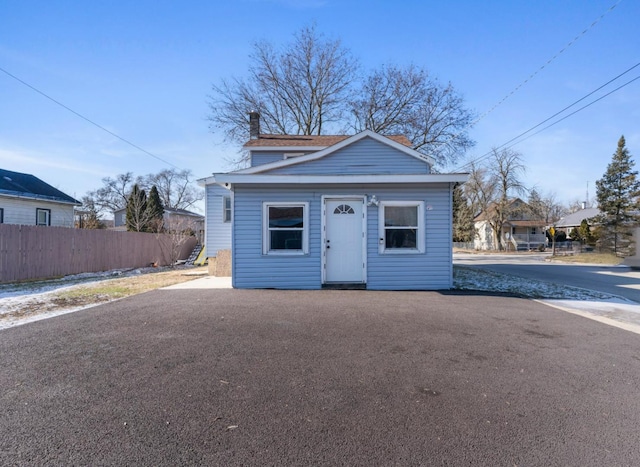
x: 286, y: 228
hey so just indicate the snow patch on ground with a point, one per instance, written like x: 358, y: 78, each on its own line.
x: 42, y: 294
x: 467, y: 278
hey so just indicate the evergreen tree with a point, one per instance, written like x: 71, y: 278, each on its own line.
x: 463, y: 230
x: 536, y: 205
x: 154, y: 211
x: 136, y: 210
x: 617, y: 194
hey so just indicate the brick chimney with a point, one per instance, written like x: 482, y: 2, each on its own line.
x: 254, y: 125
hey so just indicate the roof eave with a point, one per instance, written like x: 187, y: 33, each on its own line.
x: 284, y: 148
x: 242, y: 178
x: 34, y: 197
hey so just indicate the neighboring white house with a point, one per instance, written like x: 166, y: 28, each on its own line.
x: 521, y: 231
x: 27, y: 200
x: 361, y: 211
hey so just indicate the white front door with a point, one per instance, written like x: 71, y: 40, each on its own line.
x: 344, y: 240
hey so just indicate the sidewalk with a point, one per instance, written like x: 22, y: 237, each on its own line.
x: 614, y: 312
x: 206, y: 282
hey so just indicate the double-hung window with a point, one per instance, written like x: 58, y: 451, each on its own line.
x: 43, y: 216
x: 285, y: 228
x: 226, y: 208
x: 401, y: 227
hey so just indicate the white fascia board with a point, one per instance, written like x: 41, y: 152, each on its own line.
x: 38, y: 198
x: 336, y: 147
x: 284, y: 148
x: 238, y: 178
x: 207, y: 180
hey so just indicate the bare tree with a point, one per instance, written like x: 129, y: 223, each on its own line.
x: 409, y: 102
x: 89, y: 215
x: 297, y: 90
x: 479, y: 189
x: 506, y: 171
x: 311, y: 86
x: 114, y: 193
x: 491, y: 189
x: 175, y: 187
x: 174, y: 237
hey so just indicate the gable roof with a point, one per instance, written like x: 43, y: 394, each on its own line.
x: 29, y: 186
x: 346, y: 141
x: 312, y: 141
x: 517, y: 205
x: 179, y: 212
x: 183, y: 212
x: 574, y: 219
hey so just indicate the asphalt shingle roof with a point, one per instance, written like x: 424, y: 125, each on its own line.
x: 577, y: 217
x: 30, y: 186
x: 310, y: 140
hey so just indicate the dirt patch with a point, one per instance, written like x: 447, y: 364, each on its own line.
x: 93, y: 293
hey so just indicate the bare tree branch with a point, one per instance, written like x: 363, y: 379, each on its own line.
x: 298, y: 90
x: 408, y: 102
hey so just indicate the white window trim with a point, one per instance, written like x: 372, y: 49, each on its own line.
x: 265, y: 229
x: 224, y: 209
x: 420, y: 234
x: 48, y: 216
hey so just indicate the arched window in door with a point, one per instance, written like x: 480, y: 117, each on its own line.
x: 344, y: 209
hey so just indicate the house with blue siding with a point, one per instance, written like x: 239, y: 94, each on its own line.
x: 361, y: 211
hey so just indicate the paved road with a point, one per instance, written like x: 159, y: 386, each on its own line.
x: 620, y: 281
x: 241, y: 377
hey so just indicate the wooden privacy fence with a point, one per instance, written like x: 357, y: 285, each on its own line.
x: 38, y: 252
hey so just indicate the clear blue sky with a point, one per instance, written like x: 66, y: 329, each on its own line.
x: 143, y: 70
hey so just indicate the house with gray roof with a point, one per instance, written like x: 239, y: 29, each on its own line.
x: 27, y: 200
x: 573, y: 220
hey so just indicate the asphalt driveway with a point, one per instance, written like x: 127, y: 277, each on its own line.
x: 241, y: 377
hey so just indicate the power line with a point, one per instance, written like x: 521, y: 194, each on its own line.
x: 87, y: 119
x: 484, y: 156
x: 575, y: 39
x: 576, y: 111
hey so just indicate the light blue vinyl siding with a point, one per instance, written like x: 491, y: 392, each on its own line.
x: 217, y: 232
x: 431, y: 270
x: 366, y: 156
x: 264, y: 157
x: 253, y: 269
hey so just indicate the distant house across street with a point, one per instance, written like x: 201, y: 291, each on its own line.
x: 573, y: 220
x: 521, y: 231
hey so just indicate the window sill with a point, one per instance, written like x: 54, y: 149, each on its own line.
x: 285, y: 253
x: 406, y: 251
